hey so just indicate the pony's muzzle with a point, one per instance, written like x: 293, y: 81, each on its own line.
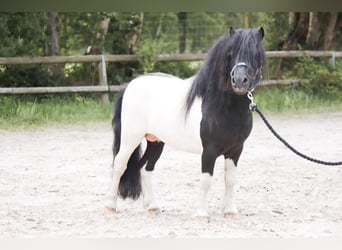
x: 240, y: 83
x: 240, y: 79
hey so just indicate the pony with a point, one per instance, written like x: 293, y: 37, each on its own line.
x: 206, y: 114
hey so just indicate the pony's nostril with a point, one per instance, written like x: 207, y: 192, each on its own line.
x: 245, y: 80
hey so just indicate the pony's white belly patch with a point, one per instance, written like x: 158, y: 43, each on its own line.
x: 158, y: 105
x: 179, y: 131
x: 169, y: 123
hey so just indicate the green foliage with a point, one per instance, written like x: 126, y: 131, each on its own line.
x: 276, y: 27
x: 81, y: 73
x: 26, y: 76
x: 181, y: 69
x: 29, y: 111
x: 122, y: 24
x: 294, y: 99
x: 162, y: 27
x: 16, y: 111
x: 321, y: 90
x: 148, y: 51
x: 78, y: 31
x: 322, y: 78
x: 205, y: 28
x: 22, y: 34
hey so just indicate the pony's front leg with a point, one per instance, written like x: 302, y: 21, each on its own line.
x: 208, y: 162
x: 229, y: 208
x: 202, y: 206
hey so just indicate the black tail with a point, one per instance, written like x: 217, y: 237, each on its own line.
x: 130, y: 182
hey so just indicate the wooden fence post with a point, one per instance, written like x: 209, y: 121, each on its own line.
x: 333, y: 58
x: 103, y: 78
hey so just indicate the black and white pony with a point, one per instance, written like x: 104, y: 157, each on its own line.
x: 206, y: 114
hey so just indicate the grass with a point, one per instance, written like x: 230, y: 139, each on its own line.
x: 29, y: 111
x: 18, y: 112
x: 294, y: 99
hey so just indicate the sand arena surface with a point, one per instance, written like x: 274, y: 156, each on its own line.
x: 53, y: 182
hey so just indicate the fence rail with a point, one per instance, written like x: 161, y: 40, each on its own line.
x: 68, y: 89
x: 103, y: 86
x: 159, y: 58
x: 104, y: 89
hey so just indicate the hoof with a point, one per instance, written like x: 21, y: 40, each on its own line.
x: 230, y: 215
x: 150, y: 205
x: 153, y: 210
x: 230, y: 210
x: 201, y: 215
x: 111, y: 206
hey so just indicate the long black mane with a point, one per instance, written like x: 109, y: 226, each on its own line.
x: 212, y: 82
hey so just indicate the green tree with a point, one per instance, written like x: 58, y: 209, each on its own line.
x: 23, y: 34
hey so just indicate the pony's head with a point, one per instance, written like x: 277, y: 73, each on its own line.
x: 233, y: 65
x: 247, y: 58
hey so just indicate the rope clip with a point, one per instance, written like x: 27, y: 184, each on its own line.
x: 252, y: 105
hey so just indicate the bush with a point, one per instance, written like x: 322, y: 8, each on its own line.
x: 181, y: 69
x: 31, y: 75
x: 322, y: 77
x: 150, y: 49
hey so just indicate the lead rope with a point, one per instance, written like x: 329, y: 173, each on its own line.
x: 253, y: 107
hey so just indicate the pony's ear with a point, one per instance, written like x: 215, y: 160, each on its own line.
x: 231, y: 31
x: 262, y: 32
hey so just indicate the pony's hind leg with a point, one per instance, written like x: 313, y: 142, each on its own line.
x: 128, y: 149
x: 151, y: 156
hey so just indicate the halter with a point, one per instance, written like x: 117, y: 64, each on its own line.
x: 235, y: 66
x: 244, y: 65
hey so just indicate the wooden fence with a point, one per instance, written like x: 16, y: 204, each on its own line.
x: 103, y: 86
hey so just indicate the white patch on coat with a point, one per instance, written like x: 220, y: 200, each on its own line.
x: 147, y: 190
x: 230, y: 181
x: 155, y: 105
x: 202, y: 206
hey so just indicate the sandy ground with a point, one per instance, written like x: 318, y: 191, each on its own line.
x: 53, y: 182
